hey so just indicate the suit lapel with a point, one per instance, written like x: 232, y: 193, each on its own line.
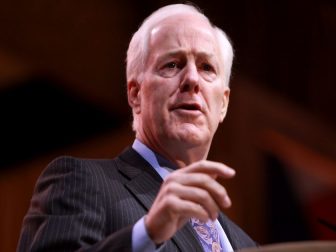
x: 230, y: 233
x: 144, y: 183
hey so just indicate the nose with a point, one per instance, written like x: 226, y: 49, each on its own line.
x: 190, y: 79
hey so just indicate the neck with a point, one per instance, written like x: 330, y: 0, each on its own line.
x: 186, y: 156
x: 178, y: 152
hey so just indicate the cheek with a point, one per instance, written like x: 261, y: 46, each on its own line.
x: 154, y: 100
x: 161, y: 90
x: 215, y: 103
x: 219, y: 101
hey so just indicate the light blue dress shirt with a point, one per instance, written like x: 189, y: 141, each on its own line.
x: 141, y: 241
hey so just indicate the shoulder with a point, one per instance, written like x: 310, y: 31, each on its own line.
x: 74, y: 165
x: 70, y: 162
x: 67, y: 172
x: 69, y: 184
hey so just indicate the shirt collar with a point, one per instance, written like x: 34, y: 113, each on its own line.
x: 160, y: 164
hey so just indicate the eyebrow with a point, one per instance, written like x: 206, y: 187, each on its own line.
x: 178, y: 52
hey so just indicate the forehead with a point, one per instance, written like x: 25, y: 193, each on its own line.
x: 191, y: 34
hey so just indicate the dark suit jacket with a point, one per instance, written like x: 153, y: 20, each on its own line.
x: 92, y: 205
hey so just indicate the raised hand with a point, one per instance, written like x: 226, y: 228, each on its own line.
x: 188, y: 192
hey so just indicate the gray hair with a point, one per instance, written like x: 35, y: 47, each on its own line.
x: 137, y: 52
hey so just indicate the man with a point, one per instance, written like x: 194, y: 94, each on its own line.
x: 162, y: 193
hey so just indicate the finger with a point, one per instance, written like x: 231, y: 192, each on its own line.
x: 188, y: 209
x: 168, y: 213
x: 177, y: 207
x: 196, y: 195
x: 211, y: 168
x: 202, y: 181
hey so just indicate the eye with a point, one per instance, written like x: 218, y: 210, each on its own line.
x: 207, y: 71
x: 207, y: 67
x: 171, y: 65
x: 170, y: 69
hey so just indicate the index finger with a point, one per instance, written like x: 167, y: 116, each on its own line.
x: 211, y: 168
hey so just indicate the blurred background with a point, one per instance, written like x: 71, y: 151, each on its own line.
x: 62, y: 92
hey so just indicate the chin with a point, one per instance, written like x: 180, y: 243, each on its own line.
x: 192, y: 135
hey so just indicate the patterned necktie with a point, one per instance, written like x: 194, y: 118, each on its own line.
x: 207, y: 234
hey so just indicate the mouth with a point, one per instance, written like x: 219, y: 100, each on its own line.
x: 188, y: 107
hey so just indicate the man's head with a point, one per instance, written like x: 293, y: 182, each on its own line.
x: 138, y: 49
x: 178, y: 70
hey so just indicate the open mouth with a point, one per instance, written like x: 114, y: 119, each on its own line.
x: 188, y: 106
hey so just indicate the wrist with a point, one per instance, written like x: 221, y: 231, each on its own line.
x: 151, y: 232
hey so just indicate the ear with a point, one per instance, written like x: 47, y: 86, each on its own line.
x: 225, y: 103
x: 133, y: 96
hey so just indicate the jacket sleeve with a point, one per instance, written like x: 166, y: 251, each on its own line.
x: 67, y: 212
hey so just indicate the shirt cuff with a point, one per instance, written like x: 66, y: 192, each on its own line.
x: 141, y: 242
